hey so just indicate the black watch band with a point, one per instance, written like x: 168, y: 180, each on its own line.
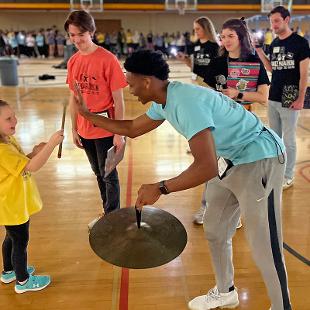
x: 163, y: 188
x: 240, y: 96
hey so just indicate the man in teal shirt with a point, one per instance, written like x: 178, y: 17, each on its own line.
x: 242, y: 160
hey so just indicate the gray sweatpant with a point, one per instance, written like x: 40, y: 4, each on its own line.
x: 255, y: 190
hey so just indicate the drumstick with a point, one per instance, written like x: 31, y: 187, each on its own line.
x: 138, y: 217
x: 62, y: 127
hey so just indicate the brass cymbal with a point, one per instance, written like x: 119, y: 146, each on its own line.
x: 117, y: 239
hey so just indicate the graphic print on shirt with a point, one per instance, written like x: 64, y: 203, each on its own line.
x: 202, y: 58
x: 243, y: 76
x: 88, y: 84
x: 281, y: 60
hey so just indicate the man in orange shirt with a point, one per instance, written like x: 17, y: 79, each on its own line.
x: 101, y: 81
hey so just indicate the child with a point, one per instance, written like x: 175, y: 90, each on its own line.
x: 19, y: 199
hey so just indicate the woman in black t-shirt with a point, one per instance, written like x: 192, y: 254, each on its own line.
x: 238, y: 72
x: 204, y: 50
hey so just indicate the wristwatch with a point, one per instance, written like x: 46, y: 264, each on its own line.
x: 240, y: 96
x: 163, y: 188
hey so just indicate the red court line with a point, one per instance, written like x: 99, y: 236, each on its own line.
x: 123, y: 298
x: 303, y: 174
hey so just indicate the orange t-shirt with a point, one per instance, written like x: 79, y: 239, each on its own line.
x: 98, y: 75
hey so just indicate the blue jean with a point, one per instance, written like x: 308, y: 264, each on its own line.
x: 284, y: 122
x: 14, y: 250
x: 96, y: 151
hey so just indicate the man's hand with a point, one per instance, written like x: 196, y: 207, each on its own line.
x: 76, y: 139
x: 80, y: 104
x: 297, y: 104
x: 148, y: 194
x: 118, y: 142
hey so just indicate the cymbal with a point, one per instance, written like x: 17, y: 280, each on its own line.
x: 117, y: 239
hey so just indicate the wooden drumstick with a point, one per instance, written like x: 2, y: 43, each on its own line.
x: 62, y: 126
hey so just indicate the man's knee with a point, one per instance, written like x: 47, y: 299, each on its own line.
x: 211, y: 231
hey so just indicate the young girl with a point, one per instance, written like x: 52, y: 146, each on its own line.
x: 19, y: 199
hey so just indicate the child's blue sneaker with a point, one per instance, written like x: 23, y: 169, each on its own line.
x: 34, y: 283
x: 8, y: 277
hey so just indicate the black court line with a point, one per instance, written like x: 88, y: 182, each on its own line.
x: 302, y: 162
x: 26, y: 94
x: 287, y: 247
x: 296, y: 254
x: 303, y: 127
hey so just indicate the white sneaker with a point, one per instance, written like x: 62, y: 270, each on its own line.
x: 91, y: 224
x: 239, y: 225
x: 215, y: 299
x: 287, y: 182
x: 198, y: 216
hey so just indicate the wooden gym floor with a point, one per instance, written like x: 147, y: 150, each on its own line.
x: 59, y: 239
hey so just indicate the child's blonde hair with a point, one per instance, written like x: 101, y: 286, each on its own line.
x: 2, y: 104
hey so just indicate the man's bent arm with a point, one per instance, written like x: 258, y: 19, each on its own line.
x: 203, y: 168
x: 129, y: 128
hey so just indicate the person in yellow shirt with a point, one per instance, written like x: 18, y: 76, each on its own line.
x: 19, y: 199
x: 100, y: 38
x: 268, y: 39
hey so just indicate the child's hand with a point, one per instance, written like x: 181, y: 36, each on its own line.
x: 37, y: 148
x: 56, y: 138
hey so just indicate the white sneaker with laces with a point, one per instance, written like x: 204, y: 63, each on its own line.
x: 215, y: 299
x: 287, y: 183
x: 198, y: 216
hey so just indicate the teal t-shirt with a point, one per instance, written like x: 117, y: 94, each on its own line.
x: 238, y: 134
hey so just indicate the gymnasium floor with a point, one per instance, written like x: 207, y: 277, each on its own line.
x: 59, y: 240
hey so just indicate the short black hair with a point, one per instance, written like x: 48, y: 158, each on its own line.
x: 149, y: 63
x: 281, y: 10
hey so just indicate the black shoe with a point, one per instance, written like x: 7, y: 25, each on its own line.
x: 45, y: 77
